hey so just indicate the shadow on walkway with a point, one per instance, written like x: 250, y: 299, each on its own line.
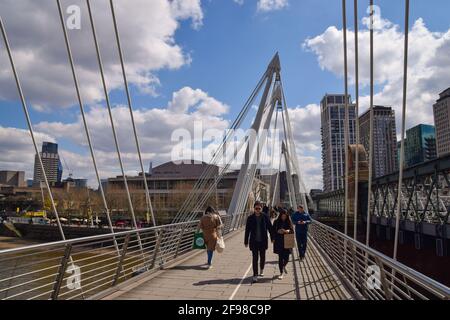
x: 234, y: 281
x: 184, y: 268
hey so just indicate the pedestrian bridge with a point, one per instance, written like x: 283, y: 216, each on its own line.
x: 159, y: 263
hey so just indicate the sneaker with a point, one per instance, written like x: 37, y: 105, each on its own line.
x: 262, y: 273
x: 210, y: 267
x: 280, y: 277
x: 255, y: 279
x: 285, y: 270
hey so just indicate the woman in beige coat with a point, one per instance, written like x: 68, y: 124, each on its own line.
x: 209, y: 224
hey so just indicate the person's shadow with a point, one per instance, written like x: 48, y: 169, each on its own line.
x: 234, y: 281
x: 184, y: 268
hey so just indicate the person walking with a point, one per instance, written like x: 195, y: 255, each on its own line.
x: 281, y: 226
x: 301, y: 220
x: 257, y: 229
x: 209, y: 224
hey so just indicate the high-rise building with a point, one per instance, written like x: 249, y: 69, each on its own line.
x: 52, y: 164
x: 420, y: 145
x: 384, y: 139
x: 441, y: 111
x: 13, y: 178
x: 333, y: 143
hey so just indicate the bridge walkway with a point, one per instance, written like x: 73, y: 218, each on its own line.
x: 230, y: 278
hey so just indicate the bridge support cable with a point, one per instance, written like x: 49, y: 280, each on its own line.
x: 277, y: 184
x: 346, y: 119
x: 402, y: 145
x: 78, y: 93
x: 293, y: 153
x: 292, y: 166
x: 358, y: 137
x: 259, y: 129
x: 273, y: 68
x: 130, y: 108
x: 291, y: 189
x: 369, y: 192
x: 108, y: 104
x: 192, y: 199
x: 259, y: 143
x: 30, y: 126
x: 226, y: 140
x: 272, y: 182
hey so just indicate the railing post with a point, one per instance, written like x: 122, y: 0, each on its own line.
x: 358, y: 271
x: 387, y: 293
x: 61, y: 272
x: 157, y: 247
x: 121, y: 258
x: 179, y: 242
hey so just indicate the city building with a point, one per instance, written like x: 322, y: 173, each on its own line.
x: 13, y: 178
x: 52, y: 164
x: 169, y: 185
x: 420, y: 145
x: 441, y: 112
x: 384, y: 139
x: 333, y: 142
x: 75, y: 183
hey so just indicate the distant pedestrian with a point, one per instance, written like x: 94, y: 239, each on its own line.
x: 256, y: 236
x: 301, y: 220
x: 283, y: 225
x: 209, y: 224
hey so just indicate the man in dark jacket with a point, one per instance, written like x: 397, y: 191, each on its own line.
x: 256, y: 230
x: 301, y: 220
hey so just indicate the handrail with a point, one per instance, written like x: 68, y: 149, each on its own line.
x: 394, y: 278
x: 89, y: 238
x: 42, y: 271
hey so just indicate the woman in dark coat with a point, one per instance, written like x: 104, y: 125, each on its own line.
x: 283, y: 225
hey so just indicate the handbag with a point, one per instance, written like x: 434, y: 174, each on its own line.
x: 220, y: 245
x: 199, y: 241
x: 289, y: 241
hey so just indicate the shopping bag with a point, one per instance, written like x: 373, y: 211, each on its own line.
x: 220, y: 245
x: 199, y: 241
x: 289, y: 241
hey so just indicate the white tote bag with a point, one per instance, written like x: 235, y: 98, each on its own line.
x: 220, y: 246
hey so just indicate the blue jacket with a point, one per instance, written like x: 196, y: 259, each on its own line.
x: 301, y: 228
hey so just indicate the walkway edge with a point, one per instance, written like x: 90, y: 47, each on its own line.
x: 134, y: 282
x: 349, y: 289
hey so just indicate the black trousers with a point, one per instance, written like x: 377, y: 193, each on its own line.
x: 259, y: 253
x: 283, y: 259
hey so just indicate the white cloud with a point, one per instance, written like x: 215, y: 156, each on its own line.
x: 428, y: 72
x: 148, y: 41
x: 17, y: 151
x: 271, y: 5
x: 155, y: 128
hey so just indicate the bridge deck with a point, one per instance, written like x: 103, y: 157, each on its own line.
x: 310, y: 279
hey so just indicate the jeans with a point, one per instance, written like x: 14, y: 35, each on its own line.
x: 259, y: 251
x: 302, y: 241
x: 210, y: 256
x: 283, y: 260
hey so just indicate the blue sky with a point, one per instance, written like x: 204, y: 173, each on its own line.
x: 228, y: 53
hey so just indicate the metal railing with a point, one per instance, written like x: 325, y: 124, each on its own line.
x: 370, y: 274
x: 81, y: 268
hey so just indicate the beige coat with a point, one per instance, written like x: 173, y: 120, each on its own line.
x: 209, y: 224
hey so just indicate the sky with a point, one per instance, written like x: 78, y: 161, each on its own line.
x: 193, y: 60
